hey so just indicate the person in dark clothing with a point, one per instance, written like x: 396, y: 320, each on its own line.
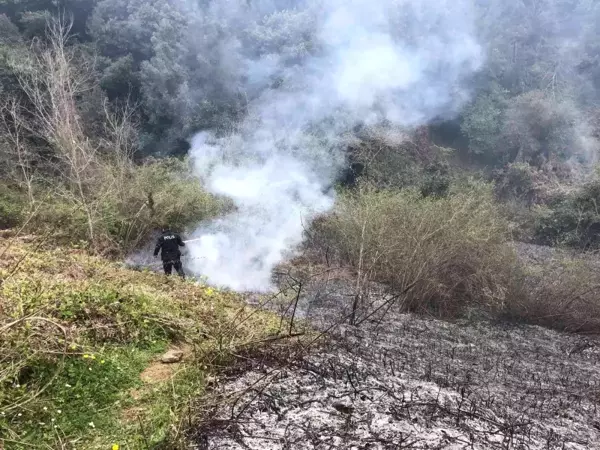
x: 168, y: 244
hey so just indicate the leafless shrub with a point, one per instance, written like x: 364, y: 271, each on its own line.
x: 561, y: 293
x: 440, y: 254
x: 18, y: 157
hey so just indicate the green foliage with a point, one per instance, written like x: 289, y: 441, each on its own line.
x: 538, y: 128
x: 482, y: 122
x: 128, y: 206
x: 12, y: 207
x: 389, y: 166
x: 78, y: 331
x: 119, y: 77
x: 288, y: 33
x: 516, y: 182
x: 159, y: 193
x: 436, y: 179
x: 9, y: 33
x: 181, y: 63
x: 34, y: 23
x: 168, y: 56
x: 534, y: 127
x: 126, y: 27
x: 573, y: 219
x: 66, y: 220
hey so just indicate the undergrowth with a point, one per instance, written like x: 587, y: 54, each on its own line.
x: 442, y: 253
x: 450, y: 256
x: 128, y: 205
x: 76, y: 333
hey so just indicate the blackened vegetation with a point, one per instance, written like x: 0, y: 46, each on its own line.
x: 351, y: 174
x: 398, y: 382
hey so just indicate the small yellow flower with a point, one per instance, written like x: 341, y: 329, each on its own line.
x: 115, y: 447
x: 93, y: 357
x: 102, y: 362
x: 86, y: 356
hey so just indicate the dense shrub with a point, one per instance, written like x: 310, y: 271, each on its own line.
x: 436, y: 179
x: 447, y: 252
x: 516, y: 182
x: 482, y: 122
x: 12, y: 205
x: 572, y: 219
x: 539, y: 127
x: 448, y: 256
x: 386, y: 158
x: 160, y: 193
x: 558, y: 291
x: 127, y: 208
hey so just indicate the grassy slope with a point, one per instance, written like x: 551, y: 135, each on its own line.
x: 76, y: 333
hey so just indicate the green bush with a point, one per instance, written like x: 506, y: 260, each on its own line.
x: 539, y: 127
x: 515, y: 182
x: 64, y: 220
x: 159, y: 193
x: 482, y: 123
x: 436, y: 179
x: 572, y: 219
x: 127, y: 206
x: 12, y: 206
x: 387, y: 162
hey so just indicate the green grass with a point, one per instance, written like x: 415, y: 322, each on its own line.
x: 77, y: 332
x: 83, y: 400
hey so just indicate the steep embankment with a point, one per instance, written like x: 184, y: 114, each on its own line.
x: 399, y: 382
x: 81, y: 341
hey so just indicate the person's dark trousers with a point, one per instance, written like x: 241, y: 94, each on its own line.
x: 168, y: 267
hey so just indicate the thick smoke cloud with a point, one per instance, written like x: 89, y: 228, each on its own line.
x: 401, y: 62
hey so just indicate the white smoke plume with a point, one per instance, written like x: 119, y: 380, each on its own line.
x: 401, y: 62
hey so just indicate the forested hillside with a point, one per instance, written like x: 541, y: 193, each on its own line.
x: 371, y: 159
x: 187, y: 66
x: 105, y: 83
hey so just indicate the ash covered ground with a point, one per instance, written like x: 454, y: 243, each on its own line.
x: 398, y: 381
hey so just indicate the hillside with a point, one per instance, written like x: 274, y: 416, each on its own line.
x: 81, y: 366
x: 402, y: 382
x: 81, y: 340
x: 389, y: 209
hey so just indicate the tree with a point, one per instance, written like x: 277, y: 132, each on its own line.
x: 52, y: 88
x: 538, y: 127
x: 482, y: 122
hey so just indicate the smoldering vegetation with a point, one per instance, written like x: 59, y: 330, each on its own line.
x: 279, y: 162
x: 397, y: 381
x: 372, y: 374
x: 404, y: 175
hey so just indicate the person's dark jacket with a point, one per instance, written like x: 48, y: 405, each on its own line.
x: 168, y: 244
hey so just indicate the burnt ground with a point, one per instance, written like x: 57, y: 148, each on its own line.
x: 399, y: 381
